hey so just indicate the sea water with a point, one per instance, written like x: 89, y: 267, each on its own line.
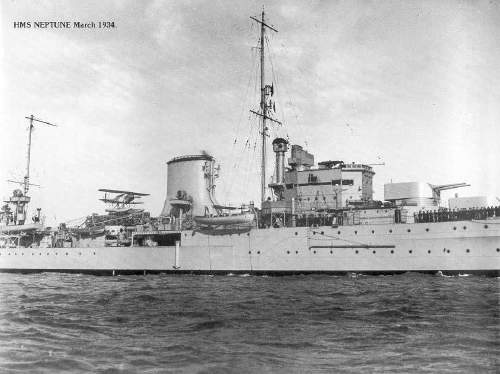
x: 405, y: 323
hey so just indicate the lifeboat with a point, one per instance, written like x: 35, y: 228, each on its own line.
x: 21, y: 228
x: 245, y: 218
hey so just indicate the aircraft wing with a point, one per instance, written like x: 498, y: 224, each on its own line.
x: 111, y: 200
x: 123, y: 192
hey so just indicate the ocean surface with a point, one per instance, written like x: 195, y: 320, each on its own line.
x: 249, y: 324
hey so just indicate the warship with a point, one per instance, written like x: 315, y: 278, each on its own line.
x: 313, y: 217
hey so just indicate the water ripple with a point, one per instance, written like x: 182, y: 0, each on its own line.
x: 248, y: 324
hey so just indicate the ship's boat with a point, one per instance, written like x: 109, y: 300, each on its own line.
x: 241, y: 219
x: 28, y: 227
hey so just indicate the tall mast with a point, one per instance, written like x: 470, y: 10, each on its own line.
x: 19, y: 200
x: 28, y: 158
x: 264, y: 106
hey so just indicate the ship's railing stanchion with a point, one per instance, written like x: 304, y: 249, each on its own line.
x: 177, y: 248
x: 180, y: 219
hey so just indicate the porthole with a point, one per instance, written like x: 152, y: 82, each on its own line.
x: 427, y: 229
x: 454, y: 227
x: 249, y: 252
x: 410, y: 251
x: 390, y: 231
x: 80, y: 253
x: 465, y: 227
x: 409, y: 230
x: 447, y: 251
x: 258, y: 252
x: 357, y: 251
x: 40, y: 253
x: 9, y: 252
x: 355, y: 232
x: 47, y: 253
x: 288, y: 252
x: 485, y: 226
x: 296, y: 252
x: 66, y: 253
x: 498, y: 249
x: 314, y: 252
x: 429, y: 251
x: 296, y: 233
x: 331, y: 252
x: 56, y: 253
x: 467, y: 250
x: 373, y: 231
x: 322, y: 233
x: 314, y: 232
x: 392, y: 250
x: 94, y: 253
x: 374, y: 252
x: 338, y: 232
x: 22, y: 254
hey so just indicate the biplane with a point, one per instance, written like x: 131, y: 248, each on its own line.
x: 120, y: 201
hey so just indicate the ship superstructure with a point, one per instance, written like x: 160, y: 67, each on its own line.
x: 319, y: 217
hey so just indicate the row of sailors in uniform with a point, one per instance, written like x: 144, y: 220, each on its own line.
x: 444, y: 215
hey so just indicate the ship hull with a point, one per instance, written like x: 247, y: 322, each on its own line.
x: 449, y: 247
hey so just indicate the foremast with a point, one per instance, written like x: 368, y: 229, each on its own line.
x: 265, y: 105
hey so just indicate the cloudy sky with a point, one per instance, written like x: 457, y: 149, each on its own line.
x: 414, y: 84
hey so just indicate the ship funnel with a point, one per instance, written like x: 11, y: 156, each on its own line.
x: 280, y: 146
x: 190, y: 186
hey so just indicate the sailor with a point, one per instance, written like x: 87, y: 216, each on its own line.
x: 278, y: 223
x: 483, y: 213
x: 490, y: 211
x: 121, y: 236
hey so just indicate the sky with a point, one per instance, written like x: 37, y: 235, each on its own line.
x: 411, y: 84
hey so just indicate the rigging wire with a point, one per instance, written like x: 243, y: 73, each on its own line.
x: 236, y: 144
x: 288, y: 96
x: 244, y: 159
